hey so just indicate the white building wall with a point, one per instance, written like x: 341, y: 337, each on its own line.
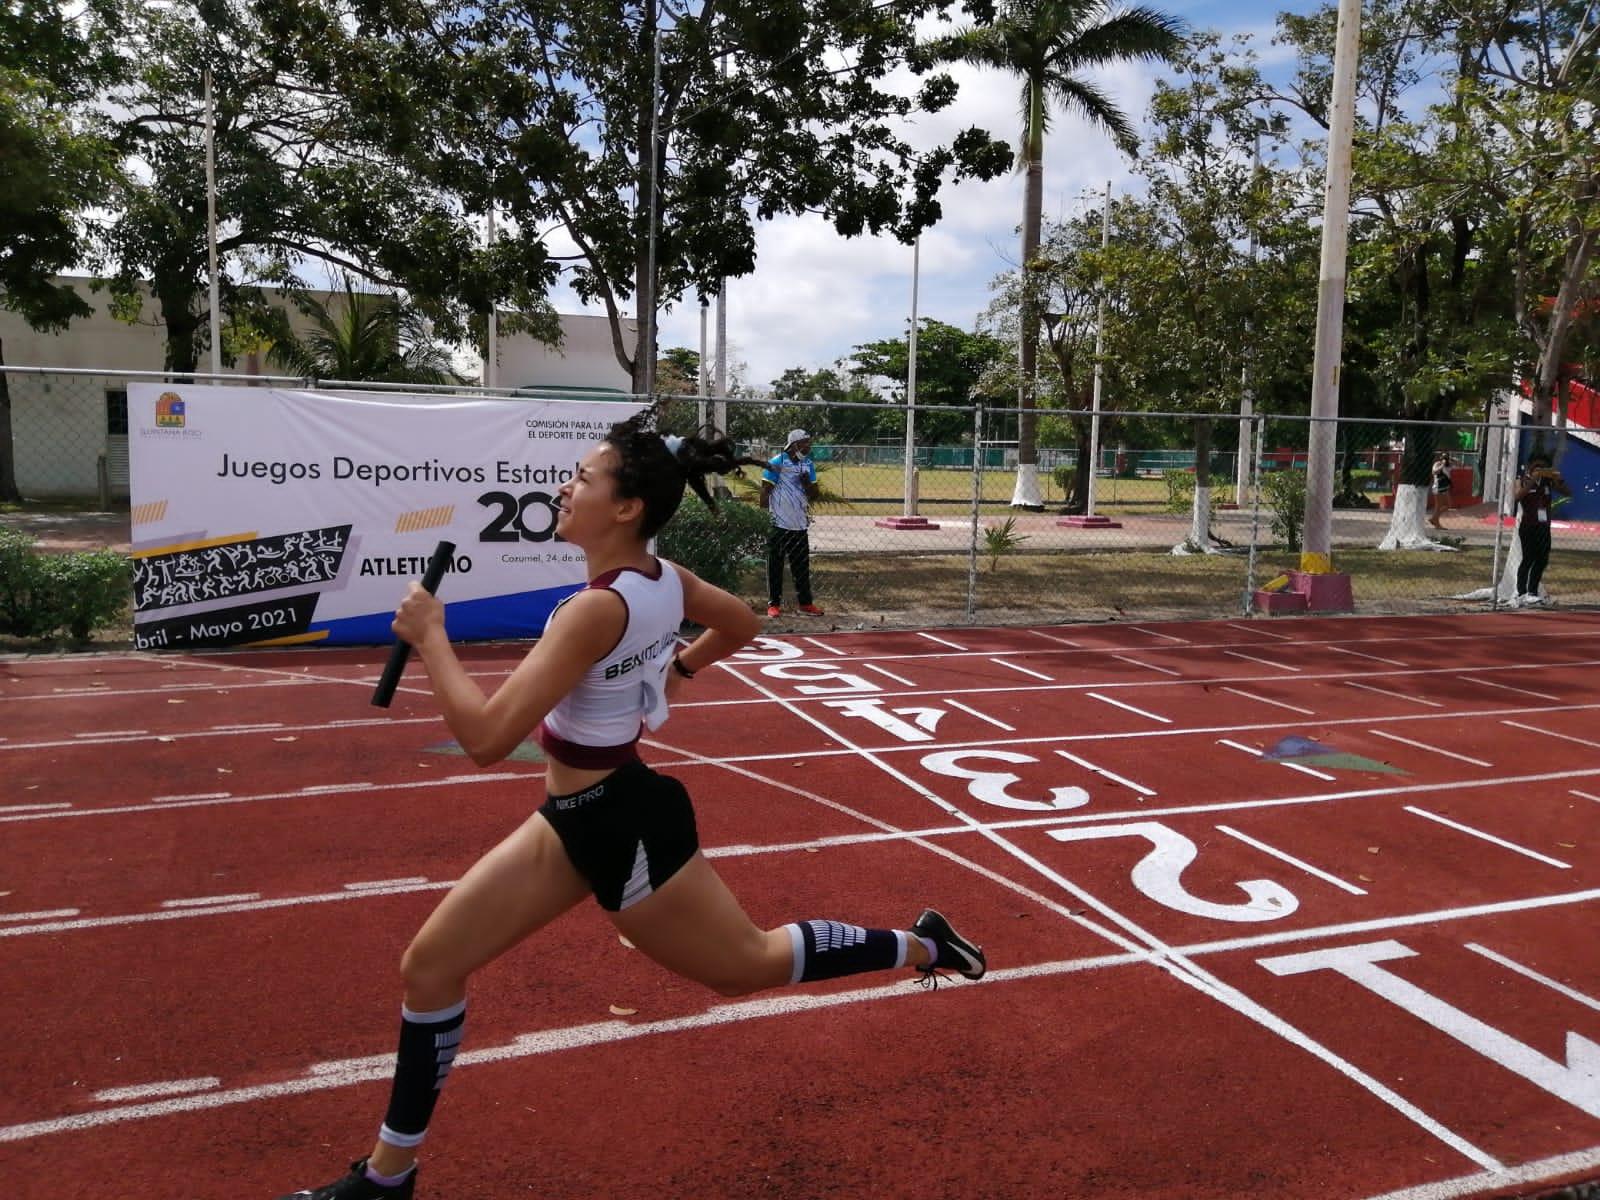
x: 585, y: 358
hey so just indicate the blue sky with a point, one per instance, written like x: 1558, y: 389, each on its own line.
x: 815, y: 295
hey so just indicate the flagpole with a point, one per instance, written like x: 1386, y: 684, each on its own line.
x: 211, y: 228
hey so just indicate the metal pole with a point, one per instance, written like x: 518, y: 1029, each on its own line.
x: 1316, y: 551
x: 1510, y: 435
x: 1259, y: 441
x: 491, y: 358
x: 704, y: 372
x: 1247, y: 403
x: 977, y: 494
x: 1099, y: 366
x: 211, y: 226
x: 910, y: 504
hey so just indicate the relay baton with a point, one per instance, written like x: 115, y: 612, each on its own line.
x: 443, y: 555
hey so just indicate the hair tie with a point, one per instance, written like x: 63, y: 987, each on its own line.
x: 674, y: 443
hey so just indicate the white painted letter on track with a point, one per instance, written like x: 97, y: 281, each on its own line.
x: 991, y: 786
x: 920, y: 729
x: 1577, y: 1081
x: 1159, y: 874
x: 817, y: 679
x: 768, y: 649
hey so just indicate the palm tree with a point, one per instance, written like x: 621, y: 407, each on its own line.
x: 1049, y: 44
x: 371, y: 337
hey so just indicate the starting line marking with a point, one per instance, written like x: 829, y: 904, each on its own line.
x: 1265, y: 662
x: 1141, y: 712
x: 203, y: 901
x: 1292, y: 861
x: 1529, y: 973
x: 1036, y: 674
x: 1504, y: 687
x: 888, y: 674
x: 1367, y: 687
x: 1282, y: 637
x: 940, y: 640
x: 1585, y: 795
x: 1306, y: 712
x: 1155, y: 633
x: 1111, y: 775
x: 371, y: 884
x: 1150, y: 666
x: 997, y: 723
x: 1489, y: 837
x: 172, y: 1087
x: 823, y: 646
x: 1395, y: 737
x: 1565, y: 737
x: 1393, y: 662
x: 1052, y: 637
x: 1304, y: 770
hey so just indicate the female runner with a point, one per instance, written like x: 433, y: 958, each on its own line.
x: 610, y: 827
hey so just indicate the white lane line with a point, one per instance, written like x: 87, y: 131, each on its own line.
x: 998, y: 724
x: 369, y: 884
x: 245, y: 727
x: 1367, y: 687
x: 48, y: 914
x: 1585, y: 795
x: 1565, y: 737
x: 1529, y: 973
x: 1282, y: 637
x: 1393, y: 662
x: 1581, y: 1162
x: 1111, y: 775
x: 1395, y: 737
x: 318, y: 788
x: 1265, y: 662
x: 1141, y: 712
x: 1489, y: 837
x: 1036, y: 674
x: 1292, y: 860
x: 1151, y: 666
x: 11, y: 808
x: 191, y: 796
x: 1154, y: 633
x: 149, y: 1091
x: 822, y: 645
x: 1315, y: 774
x: 1053, y: 638
x: 1265, y: 700
x: 889, y: 674
x: 1504, y: 687
x: 105, y: 733
x: 203, y: 901
x: 940, y: 640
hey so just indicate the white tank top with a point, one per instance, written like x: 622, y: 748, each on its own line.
x: 597, y: 723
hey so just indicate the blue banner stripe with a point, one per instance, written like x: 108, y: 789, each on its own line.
x: 517, y: 615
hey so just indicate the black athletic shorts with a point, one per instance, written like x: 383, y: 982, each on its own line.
x: 628, y: 834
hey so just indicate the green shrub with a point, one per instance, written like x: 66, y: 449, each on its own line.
x: 1285, y: 494
x: 722, y: 547
x: 1064, y: 478
x: 1180, y: 490
x: 43, y: 594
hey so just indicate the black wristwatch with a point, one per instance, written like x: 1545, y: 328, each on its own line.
x: 677, y: 665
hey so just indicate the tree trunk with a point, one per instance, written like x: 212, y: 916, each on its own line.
x: 1575, y: 268
x: 8, y: 473
x: 1199, y: 539
x: 1407, y: 525
x: 176, y: 298
x: 1078, y: 502
x: 1027, y: 494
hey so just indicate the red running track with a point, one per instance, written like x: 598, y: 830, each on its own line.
x: 1215, y: 973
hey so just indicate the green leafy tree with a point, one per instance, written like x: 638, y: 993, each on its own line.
x: 362, y: 336
x: 953, y: 366
x: 1049, y: 45
x: 552, y: 112
x: 57, y: 165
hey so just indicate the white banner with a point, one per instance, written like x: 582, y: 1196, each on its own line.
x: 265, y: 516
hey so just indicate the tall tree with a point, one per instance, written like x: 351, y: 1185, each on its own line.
x: 952, y: 366
x: 364, y: 336
x: 553, y: 112
x: 57, y: 165
x: 1050, y: 45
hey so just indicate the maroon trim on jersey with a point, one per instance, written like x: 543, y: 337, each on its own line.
x: 607, y: 578
x: 588, y: 758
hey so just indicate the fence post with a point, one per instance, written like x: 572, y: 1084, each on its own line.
x: 1507, y: 442
x: 977, y: 499
x: 102, y: 478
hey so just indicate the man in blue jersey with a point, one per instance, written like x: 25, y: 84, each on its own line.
x: 788, y: 486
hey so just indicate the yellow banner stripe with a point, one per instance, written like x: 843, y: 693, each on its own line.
x: 147, y: 514
x: 151, y: 551
x: 293, y: 639
x: 426, y: 518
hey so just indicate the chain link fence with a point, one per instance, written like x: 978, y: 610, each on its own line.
x: 1182, y: 515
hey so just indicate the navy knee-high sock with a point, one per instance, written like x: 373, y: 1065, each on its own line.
x: 829, y: 949
x: 428, y: 1044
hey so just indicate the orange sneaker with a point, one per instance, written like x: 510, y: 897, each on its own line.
x: 774, y: 611
x: 811, y: 610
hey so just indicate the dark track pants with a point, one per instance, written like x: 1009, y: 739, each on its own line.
x: 795, y: 546
x: 1535, y: 556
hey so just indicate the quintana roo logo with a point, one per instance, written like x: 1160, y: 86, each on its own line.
x: 171, y: 411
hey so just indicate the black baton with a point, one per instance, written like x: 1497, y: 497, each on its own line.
x: 443, y: 555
